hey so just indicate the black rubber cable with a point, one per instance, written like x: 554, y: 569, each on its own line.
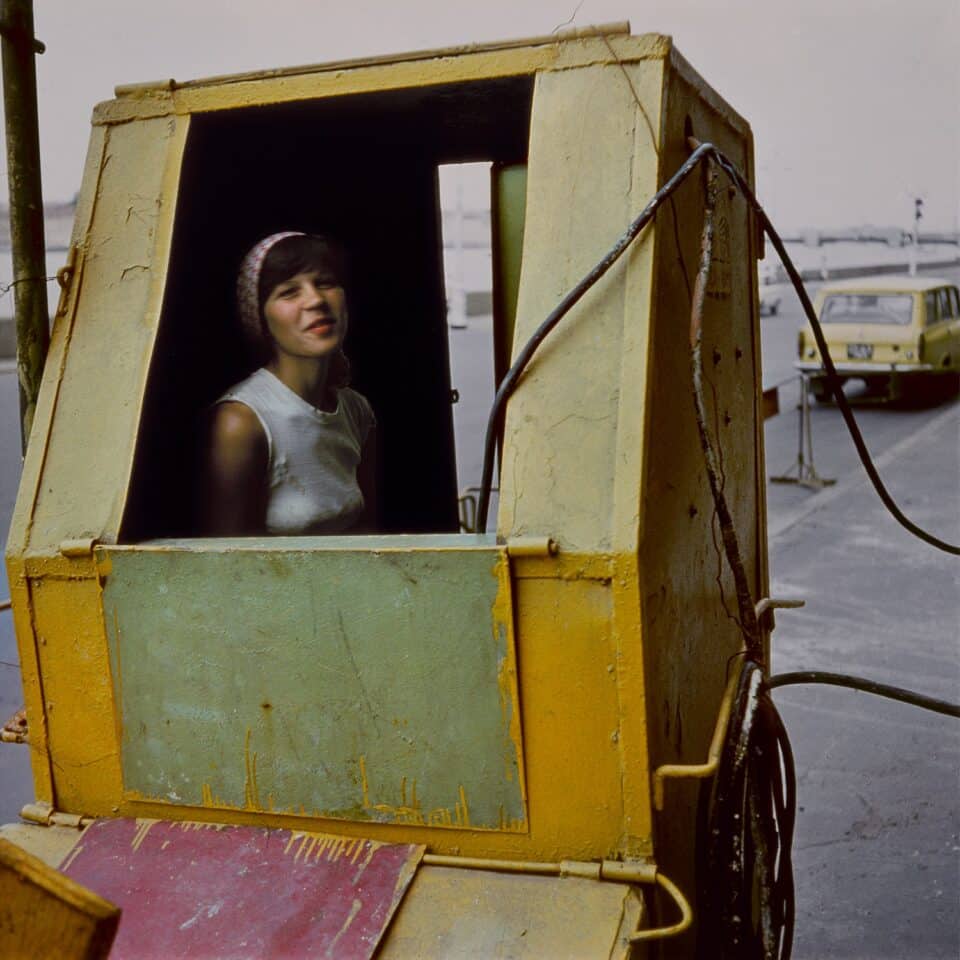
x: 746, y: 889
x: 832, y: 379
x: 512, y: 377
x: 867, y: 686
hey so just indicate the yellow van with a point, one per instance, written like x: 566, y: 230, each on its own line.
x: 886, y: 331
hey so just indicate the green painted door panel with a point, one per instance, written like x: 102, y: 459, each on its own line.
x: 357, y: 684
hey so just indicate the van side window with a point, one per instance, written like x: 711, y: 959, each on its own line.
x: 946, y: 306
x: 955, y: 300
x: 931, y: 304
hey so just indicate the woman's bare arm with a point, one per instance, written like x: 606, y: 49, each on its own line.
x: 234, y: 501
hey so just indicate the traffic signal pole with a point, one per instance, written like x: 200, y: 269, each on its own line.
x: 915, y: 245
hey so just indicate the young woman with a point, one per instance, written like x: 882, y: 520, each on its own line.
x: 291, y: 447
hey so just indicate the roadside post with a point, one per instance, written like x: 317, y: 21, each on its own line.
x: 803, y: 472
x: 26, y: 202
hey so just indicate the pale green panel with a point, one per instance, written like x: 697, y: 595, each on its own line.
x: 346, y: 684
x: 509, y: 204
x: 124, y: 260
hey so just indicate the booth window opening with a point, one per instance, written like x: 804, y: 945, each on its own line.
x: 368, y: 170
x: 468, y: 278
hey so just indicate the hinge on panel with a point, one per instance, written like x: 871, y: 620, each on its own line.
x: 81, y: 547
x: 151, y: 88
x: 65, y: 277
x: 532, y: 547
x: 15, y: 730
x: 43, y: 813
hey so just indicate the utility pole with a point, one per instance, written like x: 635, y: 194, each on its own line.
x: 915, y: 243
x: 26, y: 202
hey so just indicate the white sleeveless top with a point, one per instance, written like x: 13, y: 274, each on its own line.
x: 313, y: 455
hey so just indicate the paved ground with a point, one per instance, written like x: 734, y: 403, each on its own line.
x: 876, y: 849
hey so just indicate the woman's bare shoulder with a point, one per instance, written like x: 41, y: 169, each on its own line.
x: 233, y: 419
x: 236, y: 433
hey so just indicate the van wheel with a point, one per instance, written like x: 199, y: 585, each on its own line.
x: 821, y: 391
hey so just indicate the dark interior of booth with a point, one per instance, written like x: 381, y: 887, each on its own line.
x: 363, y: 169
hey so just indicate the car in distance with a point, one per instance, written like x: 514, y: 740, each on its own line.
x: 771, y: 275
x: 891, y: 332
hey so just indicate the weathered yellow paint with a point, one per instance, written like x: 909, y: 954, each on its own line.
x: 564, y: 441
x: 143, y: 828
x: 31, y: 677
x: 306, y: 83
x: 251, y: 793
x: 51, y: 844
x: 46, y: 914
x: 124, y: 264
x: 56, y: 357
x: 78, y: 695
x: 474, y: 913
x: 409, y: 811
x: 621, y: 639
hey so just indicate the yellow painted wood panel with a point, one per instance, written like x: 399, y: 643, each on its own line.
x: 94, y: 424
x: 561, y: 443
x: 44, y: 914
x: 82, y: 724
x: 458, y: 65
x: 56, y: 358
x: 31, y: 677
x: 451, y: 913
x: 569, y: 707
x: 688, y: 636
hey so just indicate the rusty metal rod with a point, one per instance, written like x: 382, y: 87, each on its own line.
x: 26, y: 202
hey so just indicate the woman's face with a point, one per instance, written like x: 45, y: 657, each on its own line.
x: 307, y: 315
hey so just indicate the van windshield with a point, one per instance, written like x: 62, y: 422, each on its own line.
x: 868, y: 308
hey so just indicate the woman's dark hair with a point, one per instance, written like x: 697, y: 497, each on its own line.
x: 298, y: 254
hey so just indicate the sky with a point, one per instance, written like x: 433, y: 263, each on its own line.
x: 854, y: 104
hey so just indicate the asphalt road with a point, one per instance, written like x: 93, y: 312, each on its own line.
x: 877, y: 845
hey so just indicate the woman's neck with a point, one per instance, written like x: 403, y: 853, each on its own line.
x: 307, y: 377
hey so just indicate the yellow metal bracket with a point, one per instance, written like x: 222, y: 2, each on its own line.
x: 617, y: 871
x: 771, y: 603
x: 675, y: 929
x: 698, y: 770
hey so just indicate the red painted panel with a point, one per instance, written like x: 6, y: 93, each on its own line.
x: 204, y: 890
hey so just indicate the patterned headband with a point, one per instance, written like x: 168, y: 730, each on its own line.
x: 248, y: 283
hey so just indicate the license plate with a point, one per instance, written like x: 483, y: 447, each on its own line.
x: 859, y: 351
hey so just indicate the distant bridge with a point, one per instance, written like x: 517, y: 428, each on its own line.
x: 891, y: 236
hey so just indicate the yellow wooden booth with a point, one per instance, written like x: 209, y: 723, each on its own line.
x: 497, y: 696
